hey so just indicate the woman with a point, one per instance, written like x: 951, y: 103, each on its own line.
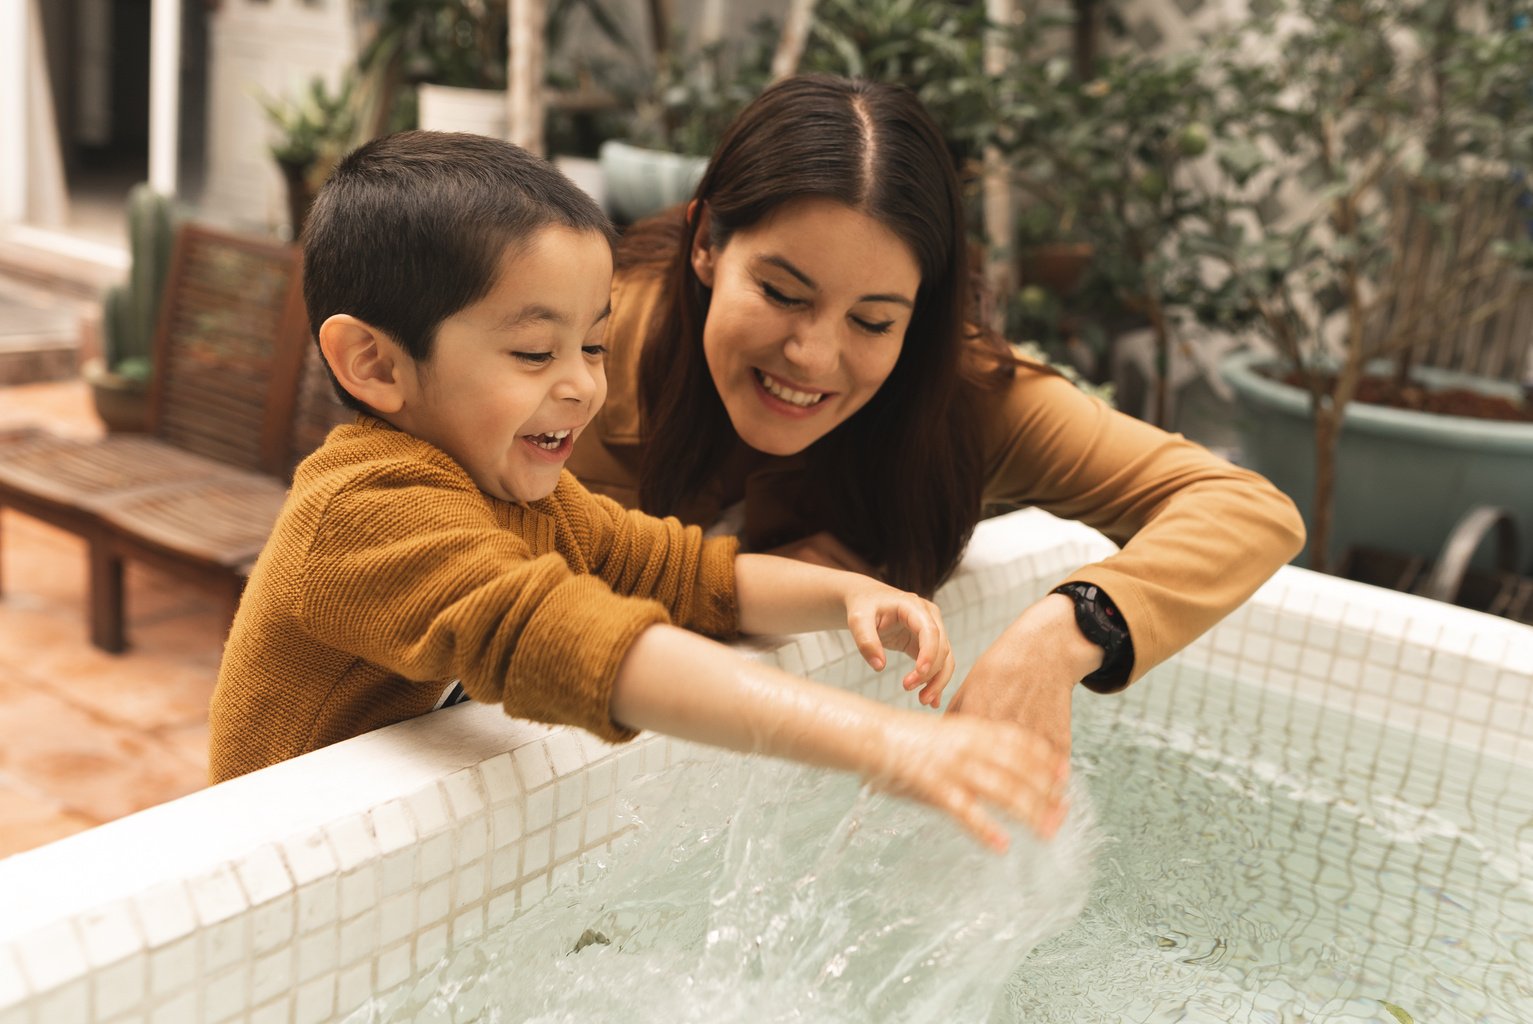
x: 790, y: 358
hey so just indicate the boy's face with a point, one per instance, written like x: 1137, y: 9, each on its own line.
x: 514, y: 378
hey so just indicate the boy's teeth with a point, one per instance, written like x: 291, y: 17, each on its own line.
x: 802, y: 399
x: 550, y: 441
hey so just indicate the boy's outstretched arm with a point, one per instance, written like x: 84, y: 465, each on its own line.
x: 783, y: 595
x: 678, y: 683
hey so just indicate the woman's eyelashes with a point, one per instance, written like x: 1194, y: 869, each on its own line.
x: 789, y: 302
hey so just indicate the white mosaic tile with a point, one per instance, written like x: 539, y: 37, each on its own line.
x: 358, y: 891
x: 66, y: 1003
x: 165, y: 913
x: 500, y: 781
x: 435, y: 901
x: 173, y: 968
x: 398, y: 871
x: 465, y: 798
x: 473, y: 838
x: 428, y: 809
x: 394, y: 967
x: 506, y: 825
x: 224, y: 943
x: 396, y: 918
x: 278, y: 1011
x: 466, y: 927
x: 540, y: 809
x: 227, y: 995
x: 271, y: 976
x: 52, y: 956
x: 532, y: 766
x: 120, y: 987
x: 318, y: 904
x: 468, y: 885
x: 108, y: 934
x: 353, y: 841
x: 434, y: 858
x: 318, y: 953
x: 430, y: 947
x: 315, y: 1001
x: 392, y: 827
x: 354, y: 986
x: 309, y: 857
x: 359, y: 938
x: 179, y: 1009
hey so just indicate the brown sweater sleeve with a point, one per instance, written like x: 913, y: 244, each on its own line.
x: 1198, y: 534
x: 646, y: 556
x: 409, y: 570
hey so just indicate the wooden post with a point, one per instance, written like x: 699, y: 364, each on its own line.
x: 524, y: 73
x: 1000, y: 263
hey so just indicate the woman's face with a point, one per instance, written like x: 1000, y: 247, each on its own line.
x: 807, y: 318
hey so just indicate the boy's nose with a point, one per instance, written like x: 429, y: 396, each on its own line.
x: 578, y: 384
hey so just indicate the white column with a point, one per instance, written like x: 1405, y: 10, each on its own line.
x: 164, y: 94
x: 14, y: 32
x: 524, y: 73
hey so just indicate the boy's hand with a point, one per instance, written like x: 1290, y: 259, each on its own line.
x: 883, y: 618
x: 961, y: 764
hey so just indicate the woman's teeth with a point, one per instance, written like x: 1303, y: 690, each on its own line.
x: 550, y: 442
x: 802, y: 399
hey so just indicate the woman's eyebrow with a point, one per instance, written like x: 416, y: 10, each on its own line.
x: 778, y: 261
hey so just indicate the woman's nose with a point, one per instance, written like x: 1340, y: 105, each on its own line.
x: 814, y: 349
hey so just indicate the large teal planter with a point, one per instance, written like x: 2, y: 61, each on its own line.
x: 1403, y: 479
x: 639, y: 182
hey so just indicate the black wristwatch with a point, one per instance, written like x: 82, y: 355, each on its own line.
x: 1100, y: 622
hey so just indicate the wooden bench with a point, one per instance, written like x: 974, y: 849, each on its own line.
x: 232, y: 408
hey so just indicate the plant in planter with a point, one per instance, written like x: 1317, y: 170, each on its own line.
x: 680, y: 112
x: 1403, y: 123
x: 1109, y: 166
x: 119, y: 379
x: 314, y: 132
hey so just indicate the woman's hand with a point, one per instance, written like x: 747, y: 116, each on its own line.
x: 1029, y: 674
x: 882, y: 618
x: 963, y: 764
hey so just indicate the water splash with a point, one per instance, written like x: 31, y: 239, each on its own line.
x: 754, y: 890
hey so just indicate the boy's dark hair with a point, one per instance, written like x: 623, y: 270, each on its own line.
x: 412, y: 227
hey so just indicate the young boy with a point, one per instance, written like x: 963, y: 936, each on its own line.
x: 458, y: 288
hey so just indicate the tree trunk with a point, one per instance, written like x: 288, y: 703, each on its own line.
x: 1327, y: 431
x: 524, y: 73
x: 795, y: 36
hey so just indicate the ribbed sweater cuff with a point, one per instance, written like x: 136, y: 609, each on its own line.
x: 567, y: 662
x: 718, y: 607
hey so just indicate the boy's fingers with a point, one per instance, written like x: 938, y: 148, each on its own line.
x: 962, y: 805
x: 865, y: 635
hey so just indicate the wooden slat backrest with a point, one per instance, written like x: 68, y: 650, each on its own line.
x: 318, y: 409
x: 229, y: 348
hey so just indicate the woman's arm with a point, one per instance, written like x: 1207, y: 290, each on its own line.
x: 678, y: 683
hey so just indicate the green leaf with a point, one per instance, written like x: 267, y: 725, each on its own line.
x: 1399, y: 1014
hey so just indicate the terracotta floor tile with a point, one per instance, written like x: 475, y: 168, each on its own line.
x: 91, y: 766
x: 86, y: 736
x: 27, y: 821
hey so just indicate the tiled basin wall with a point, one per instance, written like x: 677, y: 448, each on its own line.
x: 298, y: 892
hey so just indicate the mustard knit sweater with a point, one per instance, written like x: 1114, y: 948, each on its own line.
x: 389, y: 574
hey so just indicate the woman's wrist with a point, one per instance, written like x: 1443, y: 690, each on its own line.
x: 1049, y: 625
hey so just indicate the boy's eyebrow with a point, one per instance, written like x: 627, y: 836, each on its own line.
x: 539, y: 314
x: 778, y: 261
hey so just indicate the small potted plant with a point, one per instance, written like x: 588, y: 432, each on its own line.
x: 314, y: 131
x: 1376, y: 203
x: 1109, y: 169
x: 119, y: 378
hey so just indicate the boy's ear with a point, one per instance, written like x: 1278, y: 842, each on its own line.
x: 702, y: 251
x: 365, y: 360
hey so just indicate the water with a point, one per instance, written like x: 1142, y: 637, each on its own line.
x: 1251, y: 859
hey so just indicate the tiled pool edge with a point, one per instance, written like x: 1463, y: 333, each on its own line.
x: 297, y: 893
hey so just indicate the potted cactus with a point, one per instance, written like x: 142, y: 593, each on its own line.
x: 119, y: 378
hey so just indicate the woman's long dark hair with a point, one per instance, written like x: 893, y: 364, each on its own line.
x: 899, y: 482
